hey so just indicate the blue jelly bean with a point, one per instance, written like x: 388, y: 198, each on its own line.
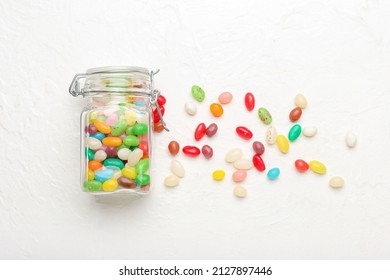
x: 98, y: 135
x: 272, y: 174
x: 139, y: 103
x: 104, y: 174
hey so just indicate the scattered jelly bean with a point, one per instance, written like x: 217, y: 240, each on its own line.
x: 102, y: 126
x: 233, y: 155
x: 111, y: 152
x: 94, y: 165
x: 295, y: 114
x: 119, y: 127
x: 112, y: 141
x: 110, y: 185
x: 244, y: 164
x: 264, y: 115
x: 89, y: 153
x: 198, y: 93
x: 310, y: 131
x: 350, y: 140
x: 282, y: 143
x: 273, y: 173
x: 207, y: 151
x: 130, y: 117
x: 317, y: 167
x: 144, y: 146
x: 191, y: 151
x: 124, y: 153
x: 129, y: 172
x: 92, y: 129
x: 211, y: 130
x: 90, y: 175
x: 158, y: 127
x: 100, y: 156
x: 156, y: 116
x: 171, y: 181
x: 142, y: 179
x: 131, y: 140
x: 140, y: 129
x: 239, y: 175
x: 240, y: 191
x: 112, y: 119
x: 225, y: 97
x: 200, y: 131
x: 271, y: 135
x: 294, y: 132
x: 216, y: 109
x: 173, y: 147
x: 142, y: 166
x: 104, y: 174
x: 258, y: 147
x: 135, y: 157
x: 177, y: 168
x: 249, y: 101
x: 161, y: 100
x: 98, y: 135
x: 114, y: 162
x: 126, y: 182
x: 218, y: 175
x: 190, y: 108
x: 244, y: 132
x: 92, y: 186
x: 336, y: 182
x: 300, y: 101
x: 301, y: 165
x: 258, y: 162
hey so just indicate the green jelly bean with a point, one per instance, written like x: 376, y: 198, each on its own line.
x: 121, y: 147
x: 114, y: 162
x: 198, y: 93
x: 140, y: 129
x: 129, y: 130
x: 119, y: 83
x: 92, y: 186
x: 101, y: 118
x: 294, y: 132
x: 142, y: 179
x: 264, y: 116
x: 131, y: 140
x: 133, y: 148
x: 89, y: 153
x: 119, y: 127
x: 142, y: 166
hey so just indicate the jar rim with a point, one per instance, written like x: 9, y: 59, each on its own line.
x: 117, y: 69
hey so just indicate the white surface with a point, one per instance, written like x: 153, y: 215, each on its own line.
x: 337, y: 53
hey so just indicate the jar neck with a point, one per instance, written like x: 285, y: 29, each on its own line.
x: 114, y: 99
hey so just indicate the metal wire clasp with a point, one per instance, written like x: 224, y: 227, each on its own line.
x: 74, y: 88
x: 155, y: 95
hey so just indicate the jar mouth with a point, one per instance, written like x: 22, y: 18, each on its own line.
x: 117, y: 69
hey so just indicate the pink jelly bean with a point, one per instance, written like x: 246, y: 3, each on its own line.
x: 239, y: 175
x: 123, y: 135
x: 112, y: 119
x: 143, y: 138
x: 103, y: 148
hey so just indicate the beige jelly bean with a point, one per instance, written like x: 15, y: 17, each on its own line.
x: 350, y: 140
x: 134, y: 157
x: 300, y: 101
x: 124, y: 153
x: 93, y: 143
x: 143, y: 118
x: 190, y: 108
x: 233, y: 155
x: 271, y: 135
x: 171, y: 181
x: 244, y: 164
x: 100, y: 155
x: 239, y: 191
x: 310, y: 131
x: 177, y: 168
x: 336, y: 182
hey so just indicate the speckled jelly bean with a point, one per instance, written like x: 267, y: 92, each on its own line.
x: 216, y: 109
x: 198, y: 93
x: 225, y: 97
x: 244, y: 132
x: 264, y: 115
x: 212, y: 130
x: 295, y: 114
x: 207, y: 151
x: 218, y: 175
x: 191, y: 151
x: 317, y: 167
x: 294, y: 132
x: 200, y: 131
x: 249, y: 101
x: 104, y: 174
x: 282, y: 143
x: 273, y: 173
x: 271, y: 135
x: 258, y: 162
x: 301, y: 165
x: 258, y: 147
x: 173, y: 148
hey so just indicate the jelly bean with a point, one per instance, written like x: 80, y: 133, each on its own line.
x: 211, y: 130
x: 110, y: 185
x: 282, y: 143
x: 271, y: 135
x: 112, y: 141
x: 350, y: 140
x: 117, y: 174
x: 98, y: 135
x: 244, y: 132
x: 317, y: 167
x: 102, y: 126
x: 190, y: 108
x: 100, y: 156
x: 103, y: 148
x: 191, y: 151
x: 200, y: 131
x: 233, y: 155
x: 131, y: 140
x: 207, y: 151
x: 140, y: 129
x: 123, y: 146
x: 143, y: 145
x: 139, y: 103
x: 249, y: 101
x: 240, y: 191
x: 273, y: 173
x: 92, y: 186
x: 300, y: 101
x: 122, y: 136
x: 336, y: 182
x: 239, y: 175
x: 124, y: 153
x: 94, y: 165
x: 112, y: 119
x: 177, y: 168
x: 171, y: 181
x: 135, y: 157
x: 114, y: 162
x: 93, y: 143
x: 218, y: 175
x: 144, y: 118
x: 158, y: 127
x: 142, y: 166
x: 130, y: 117
x: 258, y: 147
x: 119, y: 127
x: 126, y: 182
x: 156, y: 116
x: 173, y: 148
x: 101, y: 118
x: 111, y: 152
x: 225, y: 97
x: 294, y: 132
x: 301, y: 165
x: 216, y: 109
x: 310, y: 131
x: 104, y: 174
x: 92, y: 129
x: 129, y: 172
x: 258, y: 162
x: 129, y: 130
x: 264, y: 115
x: 161, y: 100
x: 142, y: 179
x: 198, y: 93
x: 90, y: 175
x: 244, y: 164
x: 93, y: 116
x: 295, y: 114
x: 89, y: 153
x: 108, y: 112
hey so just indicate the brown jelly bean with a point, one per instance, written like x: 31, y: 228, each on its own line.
x: 258, y: 147
x: 211, y: 130
x: 207, y: 151
x: 295, y: 114
x: 126, y: 182
x: 173, y: 147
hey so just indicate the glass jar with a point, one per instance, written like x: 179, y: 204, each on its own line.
x: 116, y: 146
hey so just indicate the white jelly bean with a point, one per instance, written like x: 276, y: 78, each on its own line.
x: 233, y: 155
x: 93, y: 143
x: 110, y: 111
x: 350, y: 140
x: 124, y: 153
x: 143, y: 118
x: 300, y: 101
x: 239, y: 191
x: 177, y: 168
x: 244, y: 164
x: 171, y: 181
x: 100, y: 155
x: 336, y: 182
x: 190, y: 108
x: 271, y: 135
x: 134, y: 157
x: 310, y: 131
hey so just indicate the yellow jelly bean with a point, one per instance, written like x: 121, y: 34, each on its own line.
x: 218, y: 175
x: 317, y: 167
x: 110, y: 185
x: 93, y: 116
x: 130, y: 117
x: 282, y: 143
x: 102, y: 126
x: 91, y: 175
x: 129, y: 172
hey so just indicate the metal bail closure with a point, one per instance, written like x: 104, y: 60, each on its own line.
x: 74, y: 88
x: 155, y: 95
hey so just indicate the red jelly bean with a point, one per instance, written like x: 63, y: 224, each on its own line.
x: 143, y: 145
x: 111, y: 152
x: 156, y: 117
x: 258, y: 162
x: 211, y: 130
x: 191, y: 151
x: 249, y: 101
x: 258, y: 147
x: 92, y: 129
x: 244, y: 132
x: 301, y: 165
x: 200, y: 131
x: 161, y: 100
x: 295, y: 114
x: 207, y: 151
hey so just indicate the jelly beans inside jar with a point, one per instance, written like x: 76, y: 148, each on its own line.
x: 116, y: 128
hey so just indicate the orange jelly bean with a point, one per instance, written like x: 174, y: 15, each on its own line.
x: 94, y: 165
x: 216, y: 109
x: 102, y: 126
x: 112, y: 141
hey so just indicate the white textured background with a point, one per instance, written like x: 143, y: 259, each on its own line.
x: 335, y: 52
